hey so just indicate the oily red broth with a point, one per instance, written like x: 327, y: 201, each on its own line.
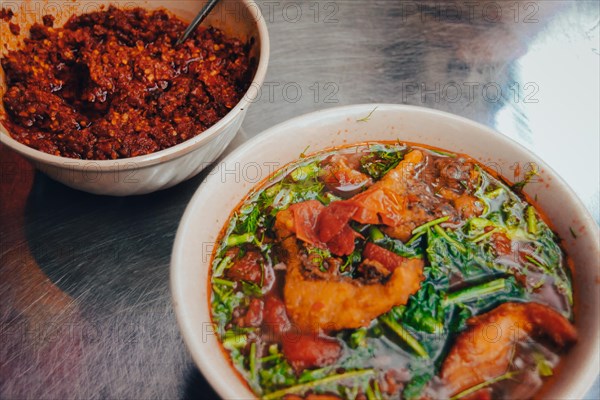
x: 389, y: 270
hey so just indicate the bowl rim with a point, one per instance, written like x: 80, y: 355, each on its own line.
x: 169, y: 153
x: 178, y: 271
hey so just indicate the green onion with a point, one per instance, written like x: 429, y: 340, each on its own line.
x: 329, y: 379
x: 375, y: 234
x: 273, y: 190
x: 405, y: 335
x: 223, y: 282
x: 485, y: 384
x: 272, y: 357
x: 474, y: 292
x: 479, y: 223
x: 459, y: 246
x: 495, y: 193
x: 304, y: 172
x: 429, y: 224
x: 224, y: 264
x: 313, y: 374
x: 531, y: 221
x: 234, y: 340
x: 236, y: 240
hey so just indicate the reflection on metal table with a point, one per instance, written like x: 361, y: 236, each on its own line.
x: 84, y: 280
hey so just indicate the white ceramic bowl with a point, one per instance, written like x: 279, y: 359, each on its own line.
x: 165, y: 168
x: 231, y: 180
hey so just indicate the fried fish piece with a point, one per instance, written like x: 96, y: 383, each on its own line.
x: 483, y: 351
x: 320, y: 305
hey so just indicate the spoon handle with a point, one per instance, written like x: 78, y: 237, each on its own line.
x: 210, y: 4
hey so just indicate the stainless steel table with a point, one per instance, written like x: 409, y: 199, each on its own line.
x: 85, y: 307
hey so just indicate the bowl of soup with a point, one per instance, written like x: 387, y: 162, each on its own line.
x: 384, y: 253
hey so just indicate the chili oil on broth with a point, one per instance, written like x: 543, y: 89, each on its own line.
x: 485, y: 267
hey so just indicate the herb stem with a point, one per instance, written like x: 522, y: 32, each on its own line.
x: 304, y: 172
x: 443, y: 153
x: 236, y: 240
x: 473, y: 292
x: 222, y: 266
x: 425, y: 226
x: 415, y: 237
x: 459, y: 246
x: 323, y: 381
x: 538, y: 264
x: 485, y: 384
x: 253, y: 361
x: 234, y: 340
x: 373, y: 393
x: 531, y: 221
x: 495, y: 193
x: 223, y: 282
x: 368, y: 117
x: 484, y: 236
x: 405, y: 335
x: 375, y: 234
x: 272, y: 357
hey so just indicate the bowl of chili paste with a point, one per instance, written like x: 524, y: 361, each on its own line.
x: 105, y: 102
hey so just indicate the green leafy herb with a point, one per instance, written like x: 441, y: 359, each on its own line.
x: 424, y: 310
x: 529, y: 175
x: 305, y: 172
x: 414, y: 388
x: 276, y: 372
x: 353, y: 258
x: 381, y: 160
x: 408, y: 250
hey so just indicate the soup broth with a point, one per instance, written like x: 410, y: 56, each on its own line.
x: 387, y: 270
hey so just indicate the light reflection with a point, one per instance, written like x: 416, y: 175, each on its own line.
x: 564, y: 124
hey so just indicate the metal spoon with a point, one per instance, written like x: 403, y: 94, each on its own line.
x: 199, y: 18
